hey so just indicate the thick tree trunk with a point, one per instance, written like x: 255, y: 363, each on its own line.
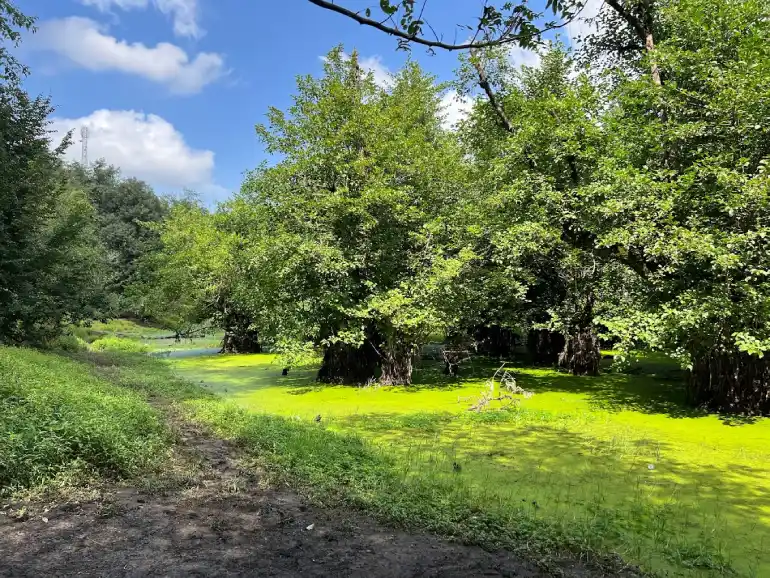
x: 343, y: 363
x: 733, y: 382
x: 581, y: 355
x: 397, y: 363
x: 494, y: 341
x: 241, y: 340
x: 544, y: 346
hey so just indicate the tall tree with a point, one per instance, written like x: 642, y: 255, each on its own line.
x: 346, y: 237
x: 685, y: 194
x: 126, y: 209
x: 51, y: 270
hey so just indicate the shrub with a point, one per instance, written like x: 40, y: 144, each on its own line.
x: 71, y: 343
x: 119, y: 344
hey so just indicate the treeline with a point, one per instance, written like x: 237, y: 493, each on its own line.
x: 71, y: 237
x: 613, y: 192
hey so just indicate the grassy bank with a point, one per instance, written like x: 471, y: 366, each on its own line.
x: 332, y: 467
x: 59, y: 424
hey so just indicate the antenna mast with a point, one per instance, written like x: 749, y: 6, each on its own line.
x: 84, y: 147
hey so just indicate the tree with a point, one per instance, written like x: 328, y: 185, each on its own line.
x: 683, y: 194
x: 191, y: 278
x: 529, y: 172
x: 125, y: 208
x: 348, y: 238
x: 51, y: 270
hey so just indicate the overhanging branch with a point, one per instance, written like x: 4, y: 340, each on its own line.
x: 506, y: 38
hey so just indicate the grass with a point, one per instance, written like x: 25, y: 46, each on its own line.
x: 60, y: 425
x: 341, y: 468
x: 615, y: 463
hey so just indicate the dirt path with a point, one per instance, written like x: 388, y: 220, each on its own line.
x: 224, y: 524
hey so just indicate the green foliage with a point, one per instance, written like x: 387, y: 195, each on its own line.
x: 58, y: 421
x: 349, y: 237
x: 683, y: 195
x: 51, y: 266
x: 189, y: 278
x: 12, y: 23
x: 111, y: 343
x: 126, y: 211
x: 68, y: 342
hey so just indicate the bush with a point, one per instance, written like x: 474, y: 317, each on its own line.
x: 119, y: 344
x: 71, y: 343
x: 57, y: 419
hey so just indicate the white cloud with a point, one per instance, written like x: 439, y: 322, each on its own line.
x: 519, y: 56
x: 85, y: 43
x: 144, y: 146
x: 579, y: 27
x: 455, y: 108
x: 184, y: 13
x: 380, y: 72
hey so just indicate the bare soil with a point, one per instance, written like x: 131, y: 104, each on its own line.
x: 223, y: 523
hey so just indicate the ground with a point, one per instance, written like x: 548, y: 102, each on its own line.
x: 223, y: 522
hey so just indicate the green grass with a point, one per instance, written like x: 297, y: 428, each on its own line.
x: 341, y: 468
x: 110, y: 343
x: 617, y: 463
x: 60, y: 424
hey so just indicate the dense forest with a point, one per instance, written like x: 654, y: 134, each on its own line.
x: 612, y: 193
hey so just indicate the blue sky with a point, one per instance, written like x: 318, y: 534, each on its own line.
x: 171, y: 89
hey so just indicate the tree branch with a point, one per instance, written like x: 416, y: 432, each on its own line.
x: 503, y: 119
x: 394, y: 31
x: 632, y: 20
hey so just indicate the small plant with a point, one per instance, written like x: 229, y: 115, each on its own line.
x: 70, y: 343
x: 507, y: 383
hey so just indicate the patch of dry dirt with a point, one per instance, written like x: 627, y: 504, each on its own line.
x: 225, y: 524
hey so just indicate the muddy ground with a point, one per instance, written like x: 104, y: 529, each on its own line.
x: 223, y: 523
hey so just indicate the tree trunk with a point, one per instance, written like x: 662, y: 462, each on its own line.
x: 544, y: 346
x: 494, y: 341
x: 649, y: 44
x: 241, y: 339
x: 733, y: 382
x: 581, y: 355
x: 343, y: 363
x: 397, y: 362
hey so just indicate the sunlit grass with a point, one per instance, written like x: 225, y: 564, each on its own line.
x: 665, y: 486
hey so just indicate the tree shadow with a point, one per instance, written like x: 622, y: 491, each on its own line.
x: 618, y: 392
x: 635, y: 494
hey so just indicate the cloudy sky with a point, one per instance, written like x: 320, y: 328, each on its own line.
x: 171, y: 89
